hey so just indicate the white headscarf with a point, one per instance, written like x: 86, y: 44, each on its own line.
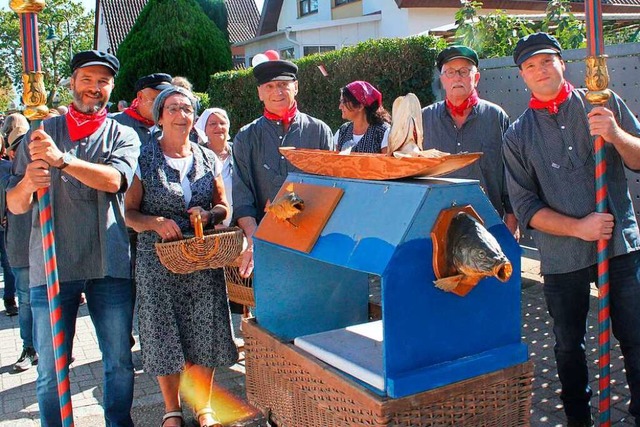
x: 201, y: 124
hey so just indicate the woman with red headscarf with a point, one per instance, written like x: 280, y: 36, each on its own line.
x: 367, y: 129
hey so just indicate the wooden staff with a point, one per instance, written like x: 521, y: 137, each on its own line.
x: 34, y: 97
x: 597, y: 81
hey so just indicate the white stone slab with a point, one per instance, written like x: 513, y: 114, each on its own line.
x: 356, y: 350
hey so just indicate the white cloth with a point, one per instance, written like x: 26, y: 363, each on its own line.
x: 183, y: 165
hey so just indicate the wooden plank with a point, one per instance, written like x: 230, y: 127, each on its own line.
x: 302, y: 231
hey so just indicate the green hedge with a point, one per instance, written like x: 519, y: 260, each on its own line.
x: 394, y: 66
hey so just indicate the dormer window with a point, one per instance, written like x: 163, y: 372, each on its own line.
x: 308, y: 7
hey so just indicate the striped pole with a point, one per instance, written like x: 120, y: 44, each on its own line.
x: 34, y: 97
x: 597, y: 80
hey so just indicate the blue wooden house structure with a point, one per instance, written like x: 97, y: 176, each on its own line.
x: 431, y: 338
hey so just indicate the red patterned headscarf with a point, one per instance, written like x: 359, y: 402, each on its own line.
x: 365, y: 93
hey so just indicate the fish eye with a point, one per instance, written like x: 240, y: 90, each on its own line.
x: 482, y: 254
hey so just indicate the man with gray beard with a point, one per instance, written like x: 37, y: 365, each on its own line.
x: 87, y: 161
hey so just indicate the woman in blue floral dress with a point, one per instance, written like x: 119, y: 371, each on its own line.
x: 184, y: 320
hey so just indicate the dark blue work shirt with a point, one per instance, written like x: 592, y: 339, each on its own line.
x: 481, y: 132
x: 550, y: 163
x: 259, y: 169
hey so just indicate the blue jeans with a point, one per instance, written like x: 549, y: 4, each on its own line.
x: 567, y: 297
x: 25, y: 318
x: 9, y: 281
x: 110, y: 305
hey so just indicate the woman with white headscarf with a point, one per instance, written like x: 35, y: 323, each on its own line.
x: 214, y: 124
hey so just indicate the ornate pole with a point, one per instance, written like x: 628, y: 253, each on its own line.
x: 35, y: 97
x: 597, y: 81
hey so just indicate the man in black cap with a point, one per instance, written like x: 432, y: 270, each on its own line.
x: 465, y: 123
x: 139, y: 115
x: 87, y: 160
x: 259, y: 168
x: 550, y: 175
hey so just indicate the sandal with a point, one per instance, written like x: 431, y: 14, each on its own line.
x: 172, y: 414
x: 207, y: 418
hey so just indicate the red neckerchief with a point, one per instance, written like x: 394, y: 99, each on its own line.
x: 554, y: 104
x: 82, y: 125
x: 458, y: 110
x: 286, y: 118
x: 132, y: 111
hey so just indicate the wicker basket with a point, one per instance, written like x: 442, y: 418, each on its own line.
x: 239, y: 289
x: 296, y: 389
x: 208, y: 249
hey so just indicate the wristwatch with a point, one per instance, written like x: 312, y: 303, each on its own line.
x: 66, y: 159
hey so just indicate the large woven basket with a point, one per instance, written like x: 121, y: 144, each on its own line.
x: 208, y: 249
x: 239, y: 289
x: 295, y: 389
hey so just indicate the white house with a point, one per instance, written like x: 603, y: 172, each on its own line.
x: 297, y: 28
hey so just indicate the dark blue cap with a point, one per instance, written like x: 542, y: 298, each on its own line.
x: 269, y: 71
x: 88, y: 58
x: 157, y: 81
x: 533, y: 44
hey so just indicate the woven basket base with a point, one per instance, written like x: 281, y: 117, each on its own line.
x: 295, y: 389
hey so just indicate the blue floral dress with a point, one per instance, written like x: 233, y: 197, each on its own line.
x: 182, y: 317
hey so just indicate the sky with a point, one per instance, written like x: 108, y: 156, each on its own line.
x: 89, y: 4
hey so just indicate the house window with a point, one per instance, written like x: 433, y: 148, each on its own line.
x: 287, y: 54
x: 312, y: 50
x: 308, y: 6
x: 341, y: 2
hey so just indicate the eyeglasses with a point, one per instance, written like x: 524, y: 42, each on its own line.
x: 173, y: 109
x: 462, y: 72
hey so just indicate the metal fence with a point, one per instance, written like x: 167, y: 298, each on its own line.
x: 501, y: 83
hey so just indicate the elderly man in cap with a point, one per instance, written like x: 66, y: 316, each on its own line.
x: 465, y: 123
x: 87, y: 160
x: 139, y: 115
x: 259, y: 168
x: 550, y: 167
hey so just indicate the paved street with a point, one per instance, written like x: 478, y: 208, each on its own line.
x: 18, y: 405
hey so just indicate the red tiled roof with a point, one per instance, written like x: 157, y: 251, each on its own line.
x: 243, y: 17
x: 120, y: 15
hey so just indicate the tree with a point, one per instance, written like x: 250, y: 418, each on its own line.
x: 7, y: 93
x: 217, y: 12
x: 497, y: 33
x: 55, y: 55
x: 175, y: 37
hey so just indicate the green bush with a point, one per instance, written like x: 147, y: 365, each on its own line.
x: 394, y: 66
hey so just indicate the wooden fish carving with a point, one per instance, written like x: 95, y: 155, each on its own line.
x: 474, y: 254
x: 286, y: 206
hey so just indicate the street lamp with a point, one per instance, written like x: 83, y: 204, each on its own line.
x: 52, y: 37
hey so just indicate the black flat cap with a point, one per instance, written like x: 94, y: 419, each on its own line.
x: 534, y: 44
x: 269, y: 71
x: 455, y: 52
x: 157, y: 81
x: 88, y: 58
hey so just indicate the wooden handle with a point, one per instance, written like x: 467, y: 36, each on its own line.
x: 197, y: 225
